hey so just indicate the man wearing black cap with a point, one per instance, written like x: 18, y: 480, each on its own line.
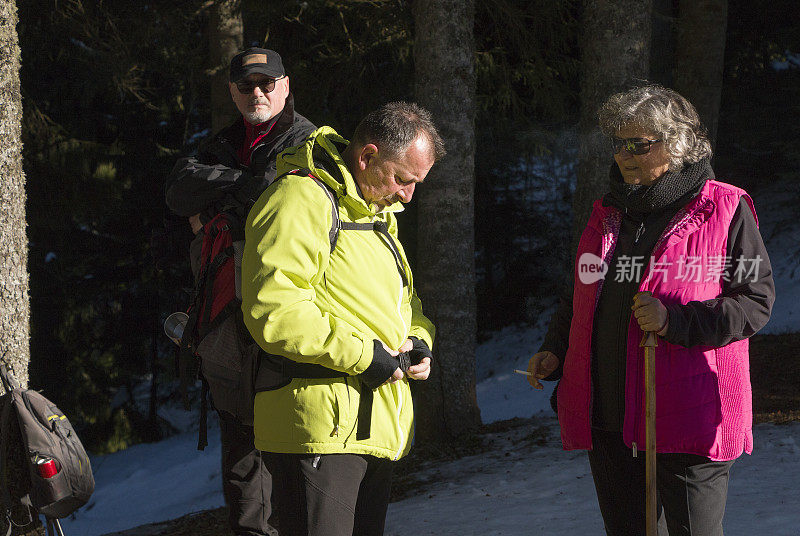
x: 228, y: 174
x: 238, y: 163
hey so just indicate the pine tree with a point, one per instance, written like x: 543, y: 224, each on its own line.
x: 225, y: 31
x: 700, y: 55
x: 616, y: 48
x: 14, y: 303
x: 445, y: 85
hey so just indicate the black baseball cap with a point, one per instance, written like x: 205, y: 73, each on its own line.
x: 256, y: 60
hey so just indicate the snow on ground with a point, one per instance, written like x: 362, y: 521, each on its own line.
x: 528, y: 489
x: 151, y: 482
x: 521, y: 488
x: 531, y: 487
x: 502, y: 394
x: 527, y: 485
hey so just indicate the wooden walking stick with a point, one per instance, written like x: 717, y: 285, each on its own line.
x: 649, y: 343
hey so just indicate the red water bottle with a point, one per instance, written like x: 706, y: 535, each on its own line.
x: 47, y: 467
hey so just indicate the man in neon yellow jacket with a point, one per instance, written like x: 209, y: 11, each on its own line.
x: 328, y: 294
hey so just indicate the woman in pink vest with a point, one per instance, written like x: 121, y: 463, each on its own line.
x: 668, y: 227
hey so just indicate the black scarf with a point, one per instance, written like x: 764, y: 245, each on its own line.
x: 672, y: 186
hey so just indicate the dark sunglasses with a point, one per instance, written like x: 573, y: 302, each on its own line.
x: 635, y: 146
x: 246, y: 87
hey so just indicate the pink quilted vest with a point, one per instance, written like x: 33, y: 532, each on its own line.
x: 703, y: 394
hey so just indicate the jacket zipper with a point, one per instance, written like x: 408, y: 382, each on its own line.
x: 639, y: 368
x: 634, y: 445
x: 397, y: 422
x: 638, y: 381
x: 639, y: 233
x: 626, y: 321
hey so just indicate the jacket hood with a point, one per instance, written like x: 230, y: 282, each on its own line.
x: 321, y: 154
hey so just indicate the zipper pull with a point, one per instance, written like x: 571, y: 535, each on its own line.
x: 635, y: 452
x: 639, y: 233
x: 315, y: 463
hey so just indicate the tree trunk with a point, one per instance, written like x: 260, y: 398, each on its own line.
x: 444, y: 53
x: 14, y: 303
x: 225, y: 37
x: 616, y: 49
x: 699, y: 57
x: 662, y: 43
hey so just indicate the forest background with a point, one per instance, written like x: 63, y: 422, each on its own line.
x: 114, y: 92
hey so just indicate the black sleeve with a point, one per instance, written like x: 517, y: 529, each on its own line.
x: 557, y: 338
x: 748, y: 293
x: 192, y: 187
x: 202, y: 185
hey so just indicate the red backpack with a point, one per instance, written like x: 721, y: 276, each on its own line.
x: 215, y: 332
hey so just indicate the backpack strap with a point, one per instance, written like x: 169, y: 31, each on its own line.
x: 336, y: 224
x: 207, y: 289
x: 6, y: 502
x: 202, y: 437
x: 9, y: 383
x: 5, y: 433
x: 364, y: 427
x: 53, y: 527
x: 186, y: 363
x: 381, y: 228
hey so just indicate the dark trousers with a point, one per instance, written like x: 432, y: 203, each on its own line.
x: 330, y: 494
x: 246, y: 482
x: 692, y: 490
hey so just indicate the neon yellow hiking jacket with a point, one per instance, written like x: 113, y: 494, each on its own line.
x: 305, y: 303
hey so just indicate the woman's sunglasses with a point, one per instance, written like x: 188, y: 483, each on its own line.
x: 635, y: 146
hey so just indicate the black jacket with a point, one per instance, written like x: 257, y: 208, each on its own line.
x: 215, y: 180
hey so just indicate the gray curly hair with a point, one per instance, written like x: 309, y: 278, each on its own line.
x: 666, y: 113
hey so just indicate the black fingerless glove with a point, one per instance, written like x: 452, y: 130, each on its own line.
x: 419, y: 351
x: 381, y: 369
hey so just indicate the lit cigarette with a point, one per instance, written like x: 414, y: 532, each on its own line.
x: 523, y: 372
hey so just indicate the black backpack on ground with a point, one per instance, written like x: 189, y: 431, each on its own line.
x: 56, y: 474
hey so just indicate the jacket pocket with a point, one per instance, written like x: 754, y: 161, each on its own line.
x: 322, y: 410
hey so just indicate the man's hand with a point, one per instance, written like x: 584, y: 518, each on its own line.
x: 541, y: 365
x: 650, y: 313
x: 195, y: 222
x: 397, y: 375
x: 420, y: 371
x: 420, y: 356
